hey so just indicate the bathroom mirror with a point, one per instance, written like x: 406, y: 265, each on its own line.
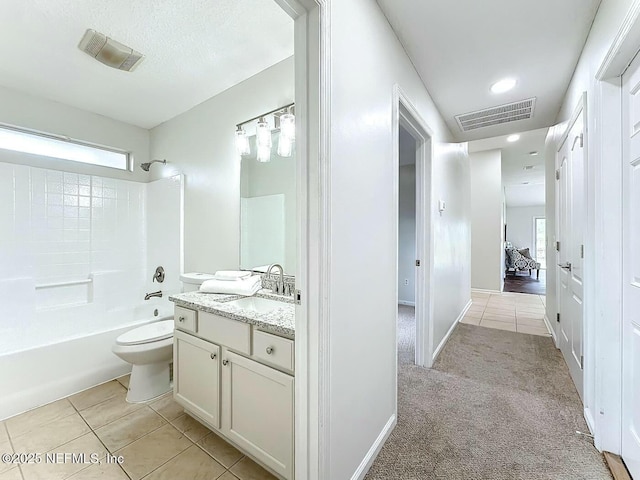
x: 268, y: 208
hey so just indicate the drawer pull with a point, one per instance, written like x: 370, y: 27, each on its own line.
x: 181, y: 319
x: 269, y: 350
x: 225, y: 362
x: 213, y: 356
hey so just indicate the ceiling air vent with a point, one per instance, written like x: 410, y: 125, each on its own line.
x: 497, y: 115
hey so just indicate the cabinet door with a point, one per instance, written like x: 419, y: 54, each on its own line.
x: 196, y: 376
x: 257, y: 411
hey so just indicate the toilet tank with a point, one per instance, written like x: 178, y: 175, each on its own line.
x: 192, y: 281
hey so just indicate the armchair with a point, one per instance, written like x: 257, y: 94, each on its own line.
x: 516, y: 260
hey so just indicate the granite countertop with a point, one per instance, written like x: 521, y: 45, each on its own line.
x: 280, y: 321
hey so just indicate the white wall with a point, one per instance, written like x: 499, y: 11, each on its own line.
x: 487, y: 230
x: 602, y: 237
x: 200, y: 144
x: 366, y: 61
x: 407, y: 234
x: 22, y: 110
x: 520, y: 226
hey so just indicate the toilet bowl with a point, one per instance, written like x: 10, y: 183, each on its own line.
x: 150, y: 350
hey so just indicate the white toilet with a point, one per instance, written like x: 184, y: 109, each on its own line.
x: 150, y: 350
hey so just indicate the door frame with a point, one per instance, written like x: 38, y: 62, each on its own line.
x: 312, y: 60
x: 404, y: 113
x: 605, y: 320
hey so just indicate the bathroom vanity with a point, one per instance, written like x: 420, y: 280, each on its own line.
x: 234, y: 371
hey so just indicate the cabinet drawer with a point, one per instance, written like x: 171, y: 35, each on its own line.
x: 186, y: 319
x: 273, y: 349
x: 223, y: 331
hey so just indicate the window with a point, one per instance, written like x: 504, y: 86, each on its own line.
x: 540, y: 233
x: 65, y: 149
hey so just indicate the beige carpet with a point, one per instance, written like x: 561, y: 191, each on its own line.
x: 497, y: 406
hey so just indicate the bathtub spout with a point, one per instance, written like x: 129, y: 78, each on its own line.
x: 153, y: 294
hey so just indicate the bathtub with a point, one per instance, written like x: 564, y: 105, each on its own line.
x: 37, y: 376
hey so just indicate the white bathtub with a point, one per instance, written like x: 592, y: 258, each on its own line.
x: 37, y: 376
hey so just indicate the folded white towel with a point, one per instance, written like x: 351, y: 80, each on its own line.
x: 248, y: 286
x: 230, y: 275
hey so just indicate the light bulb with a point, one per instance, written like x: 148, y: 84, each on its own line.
x: 288, y: 126
x: 242, y: 142
x: 285, y: 145
x: 263, y: 134
x: 264, y: 153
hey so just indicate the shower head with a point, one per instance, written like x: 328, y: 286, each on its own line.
x: 145, y: 166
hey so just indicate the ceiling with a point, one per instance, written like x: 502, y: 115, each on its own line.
x: 194, y: 50
x: 460, y: 48
x: 523, y: 188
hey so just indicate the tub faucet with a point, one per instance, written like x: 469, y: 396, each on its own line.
x: 153, y: 294
x: 279, y: 283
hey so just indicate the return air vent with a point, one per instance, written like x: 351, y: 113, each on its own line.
x: 510, y: 112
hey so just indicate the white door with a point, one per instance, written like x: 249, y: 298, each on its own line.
x: 257, y: 411
x: 631, y: 269
x: 570, y: 269
x: 196, y: 376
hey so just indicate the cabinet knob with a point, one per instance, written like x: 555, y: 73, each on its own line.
x: 181, y: 319
x: 225, y: 362
x: 213, y: 356
x: 269, y: 350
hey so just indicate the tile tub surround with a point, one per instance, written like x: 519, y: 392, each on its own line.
x: 157, y: 440
x: 280, y: 321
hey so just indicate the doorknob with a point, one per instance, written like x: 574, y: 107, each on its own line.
x: 566, y: 266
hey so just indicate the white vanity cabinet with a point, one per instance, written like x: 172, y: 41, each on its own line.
x: 196, y: 376
x: 237, y: 380
x: 257, y: 405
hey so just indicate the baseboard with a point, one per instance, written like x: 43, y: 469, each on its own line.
x: 451, y: 329
x: 371, y: 455
x: 551, y: 329
x: 408, y: 304
x: 484, y: 290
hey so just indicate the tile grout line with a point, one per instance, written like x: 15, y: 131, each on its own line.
x: 96, y: 435
x: 13, y: 448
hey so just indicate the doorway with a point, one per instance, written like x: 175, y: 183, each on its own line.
x: 407, y: 242
x: 414, y: 230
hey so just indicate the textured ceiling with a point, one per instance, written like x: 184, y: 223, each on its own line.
x: 522, y: 187
x: 461, y: 47
x: 194, y: 50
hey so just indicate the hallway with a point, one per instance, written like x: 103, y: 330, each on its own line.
x: 497, y: 405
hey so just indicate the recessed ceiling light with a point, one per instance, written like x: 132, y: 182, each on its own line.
x: 503, y: 85
x: 533, y: 154
x: 526, y: 183
x: 528, y: 167
x: 513, y: 138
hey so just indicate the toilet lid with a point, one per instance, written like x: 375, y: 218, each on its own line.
x: 147, y: 333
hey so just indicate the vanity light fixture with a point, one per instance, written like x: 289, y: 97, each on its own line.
x: 288, y: 125
x: 264, y: 154
x: 263, y: 133
x: 285, y: 145
x: 282, y: 119
x: 242, y: 141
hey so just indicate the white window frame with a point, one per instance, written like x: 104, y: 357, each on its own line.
x: 128, y: 157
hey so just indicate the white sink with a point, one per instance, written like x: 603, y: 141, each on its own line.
x: 257, y: 304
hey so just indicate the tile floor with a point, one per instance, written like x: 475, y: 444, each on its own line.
x: 157, y: 440
x: 516, y: 312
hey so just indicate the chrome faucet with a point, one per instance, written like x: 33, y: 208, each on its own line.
x: 153, y: 294
x: 279, y: 283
